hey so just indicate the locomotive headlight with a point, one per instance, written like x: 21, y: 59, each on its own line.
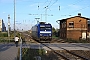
x: 40, y: 34
x: 49, y: 34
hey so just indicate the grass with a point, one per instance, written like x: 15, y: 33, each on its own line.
x: 55, y: 37
x: 3, y: 41
x: 77, y: 41
x: 30, y: 54
x: 6, y: 39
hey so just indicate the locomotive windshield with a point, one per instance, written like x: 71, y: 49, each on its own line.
x: 45, y: 27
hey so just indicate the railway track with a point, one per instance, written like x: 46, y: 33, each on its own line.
x: 54, y: 40
x: 66, y: 54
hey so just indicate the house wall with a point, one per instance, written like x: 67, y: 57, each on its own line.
x: 78, y: 22
x: 75, y: 31
x: 75, y: 35
x: 80, y: 26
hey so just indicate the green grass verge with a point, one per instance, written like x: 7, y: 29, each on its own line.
x: 55, y: 37
x: 3, y: 41
x: 77, y: 41
x: 30, y: 54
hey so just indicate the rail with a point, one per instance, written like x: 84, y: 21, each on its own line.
x: 60, y: 54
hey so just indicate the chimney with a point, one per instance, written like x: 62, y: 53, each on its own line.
x: 79, y: 14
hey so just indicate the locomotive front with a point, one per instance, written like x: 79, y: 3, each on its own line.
x: 45, y: 32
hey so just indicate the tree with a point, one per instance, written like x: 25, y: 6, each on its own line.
x: 53, y: 31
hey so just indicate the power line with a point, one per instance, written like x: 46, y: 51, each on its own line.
x: 53, y: 3
x: 77, y: 1
x: 81, y: 9
x: 74, y: 3
x: 48, y: 6
x: 45, y: 2
x: 49, y: 3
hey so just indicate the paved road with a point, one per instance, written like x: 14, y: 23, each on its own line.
x: 8, y: 52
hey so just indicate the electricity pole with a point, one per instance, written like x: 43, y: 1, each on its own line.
x: 14, y: 19
x: 46, y: 13
x: 46, y: 8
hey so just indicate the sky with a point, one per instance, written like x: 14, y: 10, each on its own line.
x: 27, y: 10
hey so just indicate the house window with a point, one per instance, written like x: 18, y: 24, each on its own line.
x: 71, y: 24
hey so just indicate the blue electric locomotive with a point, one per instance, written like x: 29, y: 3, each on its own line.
x: 42, y: 32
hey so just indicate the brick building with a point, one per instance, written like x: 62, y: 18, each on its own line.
x: 74, y: 27
x: 88, y: 29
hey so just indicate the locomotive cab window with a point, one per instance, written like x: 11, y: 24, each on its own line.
x: 45, y: 27
x: 42, y: 28
x: 48, y: 28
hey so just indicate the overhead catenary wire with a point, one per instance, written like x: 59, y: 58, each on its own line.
x: 48, y: 7
x: 49, y: 3
x: 79, y: 9
x: 77, y: 2
x: 45, y: 10
x: 45, y: 2
x: 53, y: 3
